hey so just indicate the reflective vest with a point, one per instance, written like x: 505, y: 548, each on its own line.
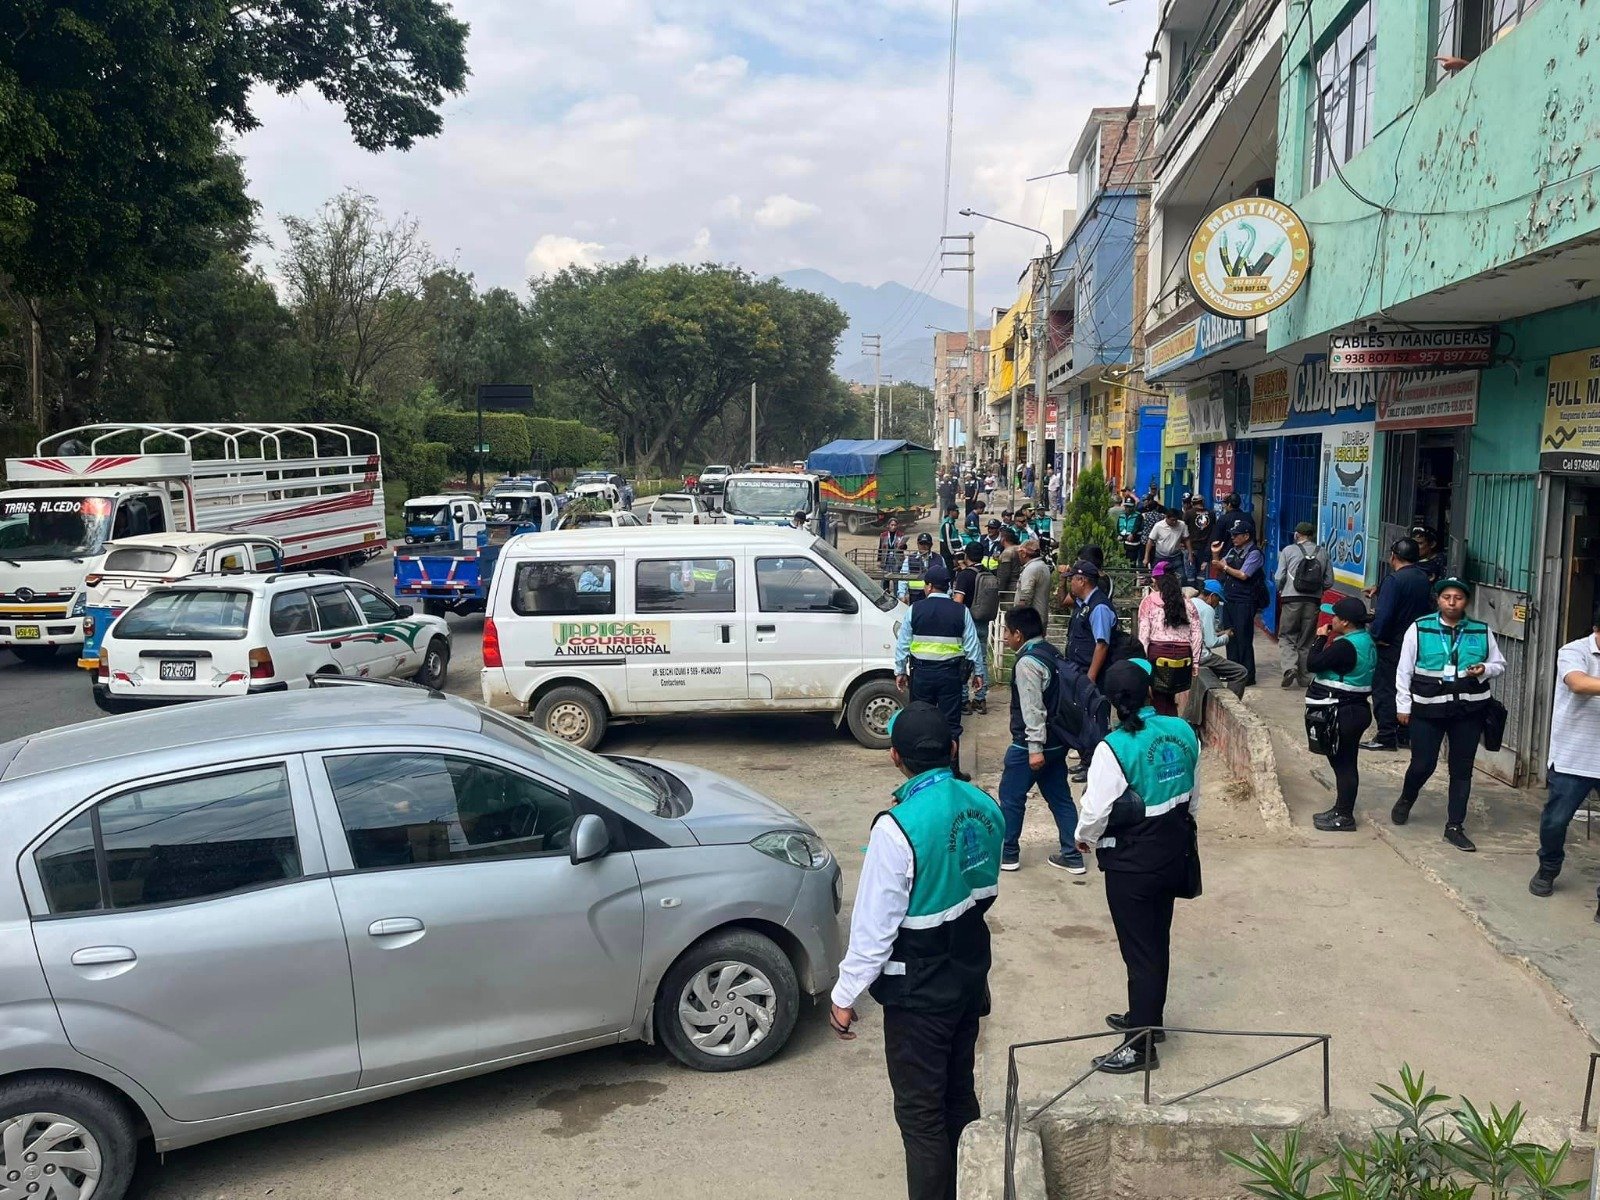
x: 940, y: 959
x: 1080, y: 633
x: 938, y: 630
x: 916, y: 566
x: 1331, y: 687
x: 1439, y: 683
x: 1149, y: 824
x: 949, y: 535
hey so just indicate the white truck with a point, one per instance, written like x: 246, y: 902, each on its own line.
x: 317, y: 489
x: 771, y: 496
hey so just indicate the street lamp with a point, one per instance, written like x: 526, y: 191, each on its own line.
x: 1041, y: 345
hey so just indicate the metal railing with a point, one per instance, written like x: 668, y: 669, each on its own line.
x: 1142, y: 1036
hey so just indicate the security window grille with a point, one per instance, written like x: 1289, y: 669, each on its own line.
x: 1341, y: 102
x: 1469, y: 27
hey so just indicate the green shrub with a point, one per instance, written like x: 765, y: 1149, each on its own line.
x: 1086, y: 522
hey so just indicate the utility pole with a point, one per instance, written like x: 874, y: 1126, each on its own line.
x: 1041, y: 369
x: 752, y: 422
x: 35, y: 373
x: 968, y: 420
x: 872, y: 346
x: 889, y: 421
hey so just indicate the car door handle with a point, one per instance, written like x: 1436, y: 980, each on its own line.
x: 334, y: 645
x: 727, y: 634
x: 103, y: 956
x: 766, y: 629
x: 394, y: 926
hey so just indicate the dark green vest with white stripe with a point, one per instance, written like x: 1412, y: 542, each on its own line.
x: 1149, y: 825
x: 940, y: 960
x: 1330, y: 687
x: 1440, y: 686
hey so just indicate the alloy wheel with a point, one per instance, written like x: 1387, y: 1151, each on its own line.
x: 727, y: 1007
x: 45, y: 1156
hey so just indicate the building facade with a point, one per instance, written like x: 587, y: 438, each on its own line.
x: 954, y: 373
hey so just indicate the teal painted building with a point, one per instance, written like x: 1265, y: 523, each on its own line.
x: 1445, y: 158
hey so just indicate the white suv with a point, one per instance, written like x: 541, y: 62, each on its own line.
x: 241, y: 634
x: 680, y: 508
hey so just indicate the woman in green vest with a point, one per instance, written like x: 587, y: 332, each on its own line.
x: 1441, y: 694
x: 1137, y: 814
x: 1341, y: 663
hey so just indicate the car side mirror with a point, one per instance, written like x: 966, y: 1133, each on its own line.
x: 589, y: 840
x: 405, y: 610
x: 843, y: 601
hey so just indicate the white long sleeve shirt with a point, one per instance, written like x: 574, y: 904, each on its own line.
x: 1493, y: 667
x: 883, y: 896
x: 1105, y: 784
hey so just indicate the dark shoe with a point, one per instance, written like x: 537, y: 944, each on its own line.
x: 1401, y: 812
x: 1010, y: 864
x: 1128, y: 1059
x: 1542, y: 884
x: 981, y: 707
x: 1334, y: 821
x: 1454, y: 835
x: 1079, y: 774
x: 1119, y: 1022
x: 1072, y: 864
x: 1288, y: 680
x: 1375, y: 744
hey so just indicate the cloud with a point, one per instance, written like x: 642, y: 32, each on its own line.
x: 554, y: 252
x: 781, y: 211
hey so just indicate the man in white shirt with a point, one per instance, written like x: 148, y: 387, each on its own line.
x: 1574, y: 768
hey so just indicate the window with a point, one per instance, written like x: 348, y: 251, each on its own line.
x: 869, y: 587
x: 138, y: 514
x: 686, y: 585
x: 232, y: 559
x: 374, y: 607
x: 171, y: 842
x: 291, y: 613
x: 137, y: 558
x: 405, y: 809
x: 1469, y: 27
x: 1341, y: 101
x: 189, y: 615
x: 334, y: 609
x: 263, y: 558
x: 596, y: 775
x: 564, y: 589
x: 674, y: 504
x: 793, y: 585
x: 627, y: 520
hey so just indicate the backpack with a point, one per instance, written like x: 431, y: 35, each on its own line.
x: 1307, y: 575
x: 1076, y: 714
x: 986, y: 597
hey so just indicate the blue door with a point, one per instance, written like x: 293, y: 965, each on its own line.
x: 1208, y: 475
x: 1292, y: 482
x: 1147, y: 453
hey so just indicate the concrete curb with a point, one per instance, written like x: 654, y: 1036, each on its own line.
x: 981, y: 1162
x: 1228, y: 726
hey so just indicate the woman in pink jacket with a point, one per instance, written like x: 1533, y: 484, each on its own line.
x: 1169, y: 628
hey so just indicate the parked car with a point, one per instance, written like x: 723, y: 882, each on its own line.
x: 712, y: 478
x: 259, y: 910
x: 612, y: 519
x: 584, y: 627
x: 245, y: 634
x: 680, y: 508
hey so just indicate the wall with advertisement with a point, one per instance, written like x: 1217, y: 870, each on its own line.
x: 1346, y: 487
x: 1310, y: 397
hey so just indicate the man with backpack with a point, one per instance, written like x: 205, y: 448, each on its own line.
x: 1046, y: 721
x: 1301, y: 576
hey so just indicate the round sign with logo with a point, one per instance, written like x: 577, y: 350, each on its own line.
x: 1248, y: 257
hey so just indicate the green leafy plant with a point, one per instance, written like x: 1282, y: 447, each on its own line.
x: 1086, y: 522
x: 1434, y: 1150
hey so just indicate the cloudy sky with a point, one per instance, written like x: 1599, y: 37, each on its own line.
x: 769, y: 133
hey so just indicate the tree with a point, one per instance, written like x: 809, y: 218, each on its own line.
x: 473, y: 338
x: 1087, y: 522
x: 908, y: 412
x: 358, y: 286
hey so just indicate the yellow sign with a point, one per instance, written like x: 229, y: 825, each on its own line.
x: 1177, y: 430
x: 1248, y: 257
x: 1570, y: 443
x: 1269, y: 399
x: 1179, y: 344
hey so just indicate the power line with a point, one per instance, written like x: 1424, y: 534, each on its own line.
x: 950, y: 117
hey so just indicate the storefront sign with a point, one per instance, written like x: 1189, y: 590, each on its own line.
x: 1177, y: 430
x: 1411, y: 350
x: 1223, y: 473
x: 1269, y: 399
x: 1195, y: 340
x: 1208, y: 414
x: 1097, y: 429
x: 1030, y: 412
x: 1570, y: 444
x: 1429, y: 401
x: 1347, y: 471
x: 1310, y: 397
x: 1248, y: 257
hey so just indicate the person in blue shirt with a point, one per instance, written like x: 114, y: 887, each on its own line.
x: 595, y: 578
x: 1241, y: 566
x: 937, y: 643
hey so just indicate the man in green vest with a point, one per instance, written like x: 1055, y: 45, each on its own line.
x: 1342, y: 662
x: 950, y: 539
x: 919, y: 943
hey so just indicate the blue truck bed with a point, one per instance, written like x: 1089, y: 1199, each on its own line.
x: 445, y: 577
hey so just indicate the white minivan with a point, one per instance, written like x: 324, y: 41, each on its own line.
x: 591, y: 625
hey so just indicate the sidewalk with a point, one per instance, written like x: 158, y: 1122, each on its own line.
x: 1556, y: 938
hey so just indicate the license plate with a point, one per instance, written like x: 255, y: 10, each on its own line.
x: 27, y: 632
x: 177, y: 672
x: 669, y: 520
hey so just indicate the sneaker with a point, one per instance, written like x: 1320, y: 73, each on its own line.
x: 1375, y: 744
x: 1128, y: 1059
x: 1334, y: 821
x: 1288, y: 680
x: 1072, y: 864
x: 1542, y: 884
x: 1079, y: 774
x: 1454, y: 835
x: 1011, y: 864
x: 1119, y: 1022
x: 981, y: 707
x: 1401, y: 812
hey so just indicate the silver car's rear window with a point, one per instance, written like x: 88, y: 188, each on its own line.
x: 200, y: 615
x: 140, y: 558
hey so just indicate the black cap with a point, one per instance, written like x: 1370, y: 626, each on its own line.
x: 1244, y: 526
x: 919, y: 732
x: 924, y: 539
x: 1348, y: 608
x: 1453, y: 581
x: 1127, y: 684
x: 1406, y: 550
x: 937, y: 575
x: 1085, y: 568
x: 994, y: 523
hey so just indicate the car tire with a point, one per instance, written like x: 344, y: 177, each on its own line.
x: 435, y: 665
x: 573, y: 714
x: 434, y: 608
x: 871, y: 707
x: 35, y: 656
x: 109, y: 704
x: 855, y: 523
x: 101, y: 1124
x: 759, y: 971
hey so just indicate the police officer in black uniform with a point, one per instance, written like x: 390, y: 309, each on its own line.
x: 936, y: 644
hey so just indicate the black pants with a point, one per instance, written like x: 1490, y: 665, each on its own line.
x: 1383, y: 701
x: 1241, y: 614
x: 941, y: 685
x: 1141, y: 910
x: 930, y: 1058
x: 1353, y: 720
x: 1428, y: 734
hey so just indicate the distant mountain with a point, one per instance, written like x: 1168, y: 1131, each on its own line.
x: 893, y: 311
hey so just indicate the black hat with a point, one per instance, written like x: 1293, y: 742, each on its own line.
x: 924, y: 539
x: 1244, y: 526
x: 1453, y: 581
x: 1085, y: 568
x: 1348, y: 608
x: 937, y: 576
x: 919, y: 732
x: 994, y: 523
x: 1127, y: 684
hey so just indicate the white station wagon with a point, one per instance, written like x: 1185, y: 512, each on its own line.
x: 239, y: 635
